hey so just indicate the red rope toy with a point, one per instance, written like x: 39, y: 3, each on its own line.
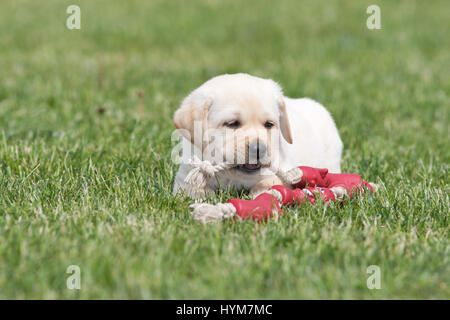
x: 308, y: 183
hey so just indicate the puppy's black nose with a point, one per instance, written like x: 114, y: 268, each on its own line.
x: 257, y: 150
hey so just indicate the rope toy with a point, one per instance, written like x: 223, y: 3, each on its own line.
x: 309, y: 185
x: 203, y: 170
x: 197, y: 178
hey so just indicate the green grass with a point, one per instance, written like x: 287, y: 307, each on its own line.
x: 90, y: 188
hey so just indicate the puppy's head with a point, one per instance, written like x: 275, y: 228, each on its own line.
x: 238, y: 119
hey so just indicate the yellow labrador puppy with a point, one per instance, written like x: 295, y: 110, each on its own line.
x: 246, y: 121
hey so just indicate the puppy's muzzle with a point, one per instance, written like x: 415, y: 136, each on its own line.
x: 256, y: 151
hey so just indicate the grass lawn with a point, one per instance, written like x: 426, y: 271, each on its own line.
x: 85, y: 144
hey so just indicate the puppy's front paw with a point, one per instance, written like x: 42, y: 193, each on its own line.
x: 264, y: 185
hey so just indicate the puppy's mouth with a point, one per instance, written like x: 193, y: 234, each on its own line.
x: 249, y: 168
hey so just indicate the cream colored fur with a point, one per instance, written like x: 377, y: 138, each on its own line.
x: 303, y: 131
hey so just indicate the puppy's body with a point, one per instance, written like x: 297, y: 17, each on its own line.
x: 306, y: 133
x: 316, y: 141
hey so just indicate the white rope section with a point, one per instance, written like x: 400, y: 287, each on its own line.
x: 207, y: 213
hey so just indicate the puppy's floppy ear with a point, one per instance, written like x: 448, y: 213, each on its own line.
x: 284, y: 121
x: 191, y: 117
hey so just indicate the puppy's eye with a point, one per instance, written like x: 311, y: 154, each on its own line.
x: 268, y: 125
x: 232, y: 124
